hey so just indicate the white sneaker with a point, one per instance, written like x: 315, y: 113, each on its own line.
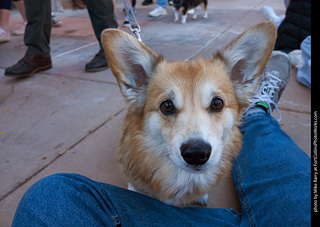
x: 158, y: 11
x: 270, y: 15
x: 274, y: 80
x: 4, y: 36
x: 20, y: 31
x: 296, y: 58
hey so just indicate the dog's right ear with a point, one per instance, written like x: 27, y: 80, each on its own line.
x: 246, y: 57
x: 131, y: 63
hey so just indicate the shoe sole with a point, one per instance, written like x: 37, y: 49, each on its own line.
x: 96, y: 69
x: 4, y: 40
x: 19, y: 76
x: 162, y: 14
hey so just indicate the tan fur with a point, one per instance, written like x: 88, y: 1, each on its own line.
x: 147, y: 146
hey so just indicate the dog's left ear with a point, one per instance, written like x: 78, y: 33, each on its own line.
x: 131, y: 63
x: 246, y: 57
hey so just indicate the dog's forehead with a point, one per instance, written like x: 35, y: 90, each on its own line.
x: 185, y: 80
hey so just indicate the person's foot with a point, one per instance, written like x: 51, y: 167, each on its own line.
x: 296, y: 58
x: 98, y: 63
x: 126, y: 22
x: 146, y: 2
x: 158, y: 11
x: 20, y: 31
x: 55, y: 21
x: 4, y: 36
x: 29, y: 65
x: 274, y: 80
x: 270, y: 15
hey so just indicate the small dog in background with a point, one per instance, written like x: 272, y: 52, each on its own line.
x: 181, y: 130
x: 186, y: 5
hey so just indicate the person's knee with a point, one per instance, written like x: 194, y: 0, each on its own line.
x: 52, y: 181
x: 51, y: 187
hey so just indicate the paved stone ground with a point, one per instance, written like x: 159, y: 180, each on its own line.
x: 66, y: 120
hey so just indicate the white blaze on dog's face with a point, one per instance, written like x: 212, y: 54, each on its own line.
x: 181, y: 131
x: 192, y: 105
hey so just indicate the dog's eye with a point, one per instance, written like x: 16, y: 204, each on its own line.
x: 216, y: 104
x: 167, y: 107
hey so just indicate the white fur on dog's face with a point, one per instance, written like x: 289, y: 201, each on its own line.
x: 193, y: 119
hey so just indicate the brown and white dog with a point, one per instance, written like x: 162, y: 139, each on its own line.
x: 181, y: 131
x: 186, y: 5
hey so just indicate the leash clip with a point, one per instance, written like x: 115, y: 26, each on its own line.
x: 133, y: 24
x: 136, y: 31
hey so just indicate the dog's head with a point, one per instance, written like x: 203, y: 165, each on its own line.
x: 188, y: 111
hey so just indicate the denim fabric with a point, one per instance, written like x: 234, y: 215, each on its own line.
x: 304, y: 73
x: 272, y: 177
x: 74, y: 200
x: 162, y: 3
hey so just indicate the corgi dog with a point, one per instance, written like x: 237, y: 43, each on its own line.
x: 181, y: 134
x: 187, y: 5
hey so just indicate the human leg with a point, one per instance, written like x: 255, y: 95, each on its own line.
x: 37, y: 39
x: 272, y: 174
x: 5, y: 7
x: 4, y: 22
x: 102, y: 16
x: 160, y: 9
x: 38, y: 30
x: 74, y: 200
x: 4, y: 18
x: 20, y: 6
x: 162, y: 3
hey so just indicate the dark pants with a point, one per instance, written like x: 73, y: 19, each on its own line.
x: 38, y: 30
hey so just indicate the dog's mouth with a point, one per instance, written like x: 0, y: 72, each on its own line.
x: 197, y: 168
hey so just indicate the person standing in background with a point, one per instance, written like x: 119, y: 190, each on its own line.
x: 5, y: 8
x: 37, y: 37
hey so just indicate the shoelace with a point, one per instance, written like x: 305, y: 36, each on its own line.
x: 268, y: 91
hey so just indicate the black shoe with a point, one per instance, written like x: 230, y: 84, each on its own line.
x: 146, y: 2
x: 126, y: 23
x: 98, y: 63
x: 29, y: 65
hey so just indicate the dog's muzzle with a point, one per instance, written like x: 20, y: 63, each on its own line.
x: 195, y: 152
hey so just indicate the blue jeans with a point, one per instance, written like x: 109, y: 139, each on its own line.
x: 272, y: 176
x: 162, y: 3
x: 304, y: 73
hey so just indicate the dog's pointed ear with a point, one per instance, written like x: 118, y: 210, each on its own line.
x: 131, y: 62
x: 247, y: 56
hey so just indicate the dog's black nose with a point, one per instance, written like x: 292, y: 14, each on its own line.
x: 195, y: 152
